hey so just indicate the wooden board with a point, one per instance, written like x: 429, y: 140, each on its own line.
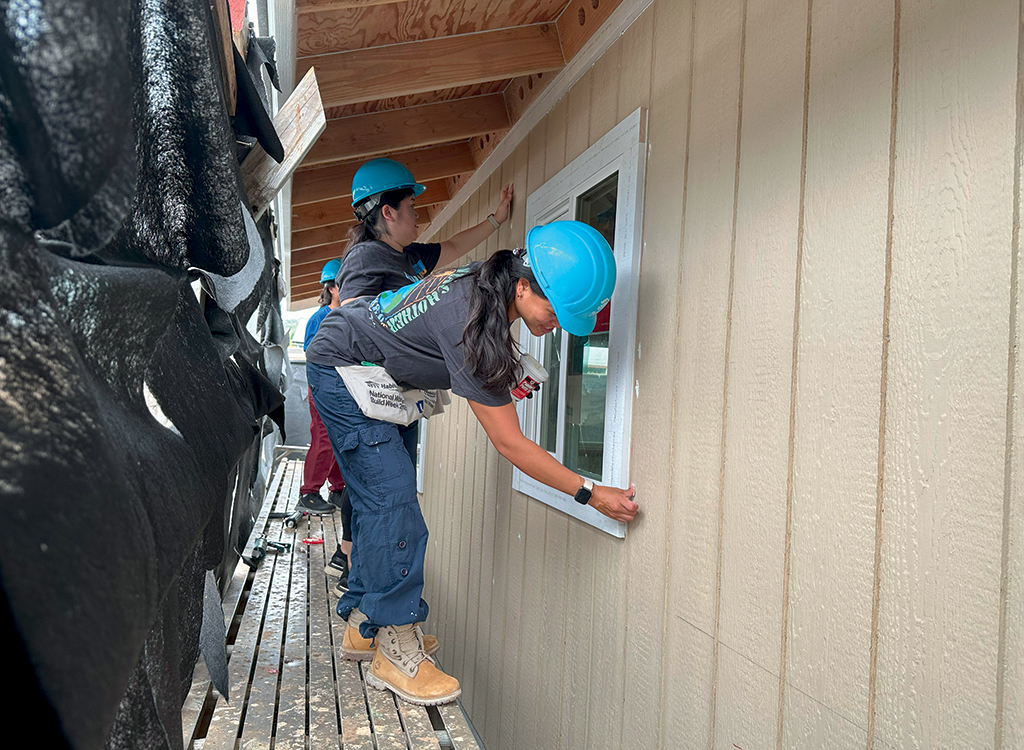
x: 380, y: 72
x: 298, y: 124
x: 364, y: 136
x: 394, y: 23
x: 339, y: 210
x: 335, y: 181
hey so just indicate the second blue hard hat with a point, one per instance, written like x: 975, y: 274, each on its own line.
x: 378, y: 176
x: 575, y: 268
x: 330, y: 271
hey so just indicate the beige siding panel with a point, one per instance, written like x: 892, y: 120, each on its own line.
x: 605, y: 93
x: 835, y: 458
x: 1010, y: 726
x: 760, y: 373
x: 700, y: 367
x: 550, y: 598
x: 517, y: 592
x: 532, y: 688
x: 687, y: 659
x: 514, y: 170
x: 574, y: 659
x: 947, y: 375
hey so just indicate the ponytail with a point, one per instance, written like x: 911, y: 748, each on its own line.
x: 325, y: 294
x: 371, y: 226
x: 490, y: 352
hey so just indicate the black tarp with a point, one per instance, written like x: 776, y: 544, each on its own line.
x: 119, y: 196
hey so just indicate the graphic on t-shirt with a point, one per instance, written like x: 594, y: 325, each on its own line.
x: 395, y: 309
x: 420, y: 269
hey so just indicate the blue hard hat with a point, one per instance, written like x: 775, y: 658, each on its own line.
x: 379, y: 176
x: 330, y: 271
x: 575, y: 268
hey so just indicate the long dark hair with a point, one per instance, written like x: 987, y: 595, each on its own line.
x: 325, y: 294
x: 372, y: 227
x: 490, y: 352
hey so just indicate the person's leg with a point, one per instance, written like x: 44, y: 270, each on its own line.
x: 388, y: 532
x: 318, y: 464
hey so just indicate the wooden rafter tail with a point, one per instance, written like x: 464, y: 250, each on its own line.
x: 299, y: 123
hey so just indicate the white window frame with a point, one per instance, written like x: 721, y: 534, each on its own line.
x: 622, y: 149
x: 421, y: 455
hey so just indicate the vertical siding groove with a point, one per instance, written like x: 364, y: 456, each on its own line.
x: 1006, y: 573
x: 876, y: 597
x: 725, y: 386
x: 675, y: 356
x: 787, y: 557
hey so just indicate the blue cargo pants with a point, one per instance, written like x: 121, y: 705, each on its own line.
x: 389, y: 536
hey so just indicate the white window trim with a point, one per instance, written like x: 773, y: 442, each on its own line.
x: 622, y: 149
x: 421, y: 456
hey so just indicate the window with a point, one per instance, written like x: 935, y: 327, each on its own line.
x: 582, y: 414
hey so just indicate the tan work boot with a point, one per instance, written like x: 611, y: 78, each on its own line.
x: 401, y: 666
x: 356, y: 648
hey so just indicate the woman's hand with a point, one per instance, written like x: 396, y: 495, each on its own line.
x: 615, y: 503
x: 504, y: 204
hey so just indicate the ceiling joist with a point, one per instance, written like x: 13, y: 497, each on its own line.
x: 414, y: 67
x: 313, y: 6
x: 335, y: 181
x: 363, y: 136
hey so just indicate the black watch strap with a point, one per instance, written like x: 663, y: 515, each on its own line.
x: 584, y: 493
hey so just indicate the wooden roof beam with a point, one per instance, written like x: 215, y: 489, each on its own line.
x: 314, y: 6
x: 363, y: 136
x: 335, y: 181
x: 339, y: 210
x: 413, y: 67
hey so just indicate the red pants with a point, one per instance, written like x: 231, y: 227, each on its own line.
x: 320, y: 464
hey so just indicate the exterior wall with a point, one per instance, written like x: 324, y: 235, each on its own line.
x: 829, y: 552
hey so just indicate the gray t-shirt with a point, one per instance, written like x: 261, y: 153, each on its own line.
x: 415, y: 332
x: 373, y: 267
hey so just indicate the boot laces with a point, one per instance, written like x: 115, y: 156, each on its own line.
x: 409, y: 646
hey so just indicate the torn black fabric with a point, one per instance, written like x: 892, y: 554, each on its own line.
x: 124, y: 419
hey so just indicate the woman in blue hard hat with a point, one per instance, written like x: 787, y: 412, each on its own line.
x: 382, y: 255
x: 450, y: 330
x: 320, y: 465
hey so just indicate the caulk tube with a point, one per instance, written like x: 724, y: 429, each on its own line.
x: 533, y: 375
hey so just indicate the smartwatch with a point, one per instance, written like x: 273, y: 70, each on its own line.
x: 583, y: 494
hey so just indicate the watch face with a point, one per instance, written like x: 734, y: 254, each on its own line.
x: 582, y: 495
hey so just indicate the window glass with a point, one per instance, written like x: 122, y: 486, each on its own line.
x: 586, y: 376
x: 552, y: 361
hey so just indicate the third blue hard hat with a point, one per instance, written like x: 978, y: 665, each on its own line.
x: 575, y: 268
x: 379, y: 176
x: 330, y: 271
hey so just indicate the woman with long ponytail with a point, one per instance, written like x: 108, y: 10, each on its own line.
x: 449, y: 330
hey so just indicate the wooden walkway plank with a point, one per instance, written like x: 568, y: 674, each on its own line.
x: 356, y: 732
x: 387, y: 726
x: 419, y: 732
x: 290, y: 733
x: 259, y: 715
x: 224, y: 725
x: 323, y: 706
x: 462, y: 736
